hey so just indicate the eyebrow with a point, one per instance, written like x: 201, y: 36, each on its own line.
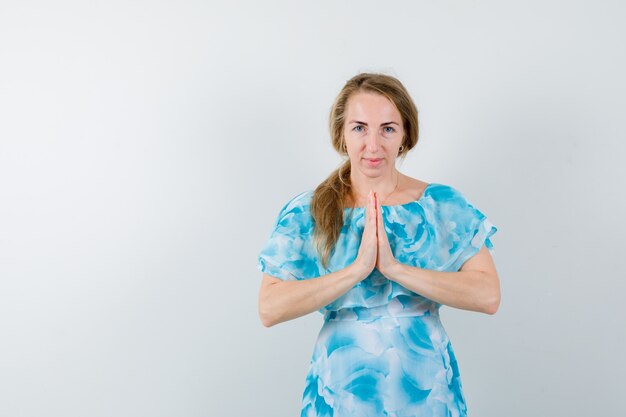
x: 382, y: 124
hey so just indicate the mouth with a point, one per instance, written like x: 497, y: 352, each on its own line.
x: 372, y: 162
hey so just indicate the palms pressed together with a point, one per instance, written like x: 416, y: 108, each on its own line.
x: 375, y: 250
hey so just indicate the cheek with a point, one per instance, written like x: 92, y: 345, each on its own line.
x: 352, y: 140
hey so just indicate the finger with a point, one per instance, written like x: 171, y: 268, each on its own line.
x: 382, y: 233
x: 373, y: 209
x: 370, y: 217
x: 368, y: 206
x: 373, y: 205
x: 379, y: 222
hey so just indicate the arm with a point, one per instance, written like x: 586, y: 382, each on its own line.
x: 475, y: 287
x: 285, y: 300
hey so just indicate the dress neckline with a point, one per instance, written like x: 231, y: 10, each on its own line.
x: 397, y: 205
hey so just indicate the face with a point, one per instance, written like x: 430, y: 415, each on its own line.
x: 373, y: 132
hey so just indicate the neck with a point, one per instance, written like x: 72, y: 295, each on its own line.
x: 383, y: 185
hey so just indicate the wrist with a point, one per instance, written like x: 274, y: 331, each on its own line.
x: 358, y: 271
x: 393, y: 271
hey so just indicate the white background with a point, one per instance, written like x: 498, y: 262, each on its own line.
x: 147, y: 147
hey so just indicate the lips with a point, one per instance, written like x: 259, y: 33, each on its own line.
x: 373, y: 162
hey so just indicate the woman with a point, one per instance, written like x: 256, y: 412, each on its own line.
x: 378, y: 253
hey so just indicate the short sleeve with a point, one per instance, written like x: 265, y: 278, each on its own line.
x: 286, y: 255
x: 465, y: 230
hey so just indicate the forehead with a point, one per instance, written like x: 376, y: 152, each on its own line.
x: 372, y: 106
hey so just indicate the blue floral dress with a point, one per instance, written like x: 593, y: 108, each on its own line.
x: 382, y: 350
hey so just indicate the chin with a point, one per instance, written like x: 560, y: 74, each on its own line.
x: 372, y: 172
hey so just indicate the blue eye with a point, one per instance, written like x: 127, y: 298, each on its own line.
x: 389, y: 129
x: 357, y: 128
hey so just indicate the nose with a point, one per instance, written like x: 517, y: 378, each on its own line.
x: 372, y: 141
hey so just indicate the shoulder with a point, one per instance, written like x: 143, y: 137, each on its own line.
x: 299, y: 203
x: 434, y: 191
x: 450, y: 203
x: 444, y: 192
x: 447, y: 199
x: 295, y: 213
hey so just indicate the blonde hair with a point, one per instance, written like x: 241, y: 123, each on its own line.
x: 330, y: 197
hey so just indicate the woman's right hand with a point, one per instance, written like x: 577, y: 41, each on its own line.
x: 368, y: 250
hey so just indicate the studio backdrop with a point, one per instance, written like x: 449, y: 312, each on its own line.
x: 146, y: 149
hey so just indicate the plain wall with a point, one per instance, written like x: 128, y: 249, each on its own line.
x: 147, y: 147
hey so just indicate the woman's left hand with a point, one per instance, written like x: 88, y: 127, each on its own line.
x: 385, y: 260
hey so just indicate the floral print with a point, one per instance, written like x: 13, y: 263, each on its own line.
x: 382, y: 350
